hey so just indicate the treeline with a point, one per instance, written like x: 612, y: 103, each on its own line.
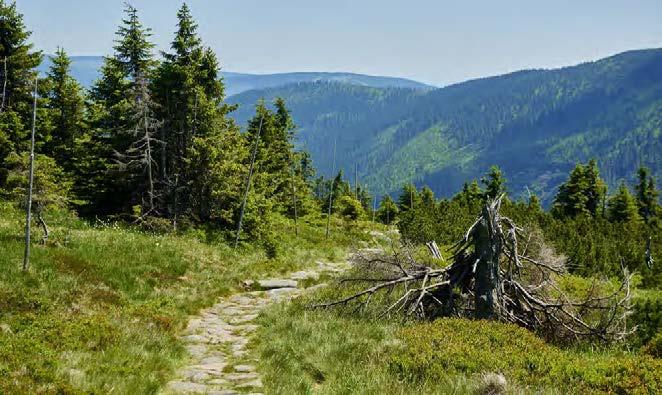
x: 597, y: 232
x: 151, y: 142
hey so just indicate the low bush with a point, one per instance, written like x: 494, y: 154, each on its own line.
x: 456, y: 346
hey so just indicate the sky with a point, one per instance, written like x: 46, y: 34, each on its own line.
x: 433, y: 41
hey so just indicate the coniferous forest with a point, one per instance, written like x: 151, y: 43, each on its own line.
x: 175, y: 242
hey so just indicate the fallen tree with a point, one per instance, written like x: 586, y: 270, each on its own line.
x: 490, y: 277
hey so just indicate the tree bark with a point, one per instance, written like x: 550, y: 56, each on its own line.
x: 486, y: 268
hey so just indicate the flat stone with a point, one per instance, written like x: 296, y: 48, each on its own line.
x: 241, y: 376
x: 305, y: 275
x: 277, y: 283
x: 212, y: 360
x: 196, y: 350
x: 244, y: 368
x: 217, y: 382
x: 195, y: 339
x: 187, y: 387
x: 280, y: 294
x: 243, y: 319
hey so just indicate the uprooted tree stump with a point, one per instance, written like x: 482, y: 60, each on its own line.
x: 490, y: 278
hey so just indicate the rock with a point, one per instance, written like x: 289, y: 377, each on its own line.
x: 244, y: 368
x: 305, y: 275
x: 6, y: 329
x: 282, y: 293
x: 195, y: 339
x: 277, y: 284
x: 248, y: 284
x: 187, y: 387
x: 241, y: 376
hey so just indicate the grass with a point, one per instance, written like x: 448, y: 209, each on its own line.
x: 303, y: 350
x: 101, y: 306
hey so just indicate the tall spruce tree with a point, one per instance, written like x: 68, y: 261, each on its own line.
x: 583, y: 193
x: 190, y: 96
x: 409, y: 198
x: 623, y: 206
x: 647, y: 194
x: 123, y: 121
x: 66, y: 109
x: 17, y: 67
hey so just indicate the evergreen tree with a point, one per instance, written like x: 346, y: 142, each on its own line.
x: 66, y: 109
x: 408, y: 198
x: 647, y: 194
x: 582, y: 194
x: 387, y: 211
x: 190, y: 97
x: 471, y: 194
x: 534, y: 204
x: 623, y: 206
x: 495, y: 183
x: 17, y: 75
x: 427, y: 197
x: 133, y: 50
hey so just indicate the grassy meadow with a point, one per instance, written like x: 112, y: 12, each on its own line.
x: 101, y: 306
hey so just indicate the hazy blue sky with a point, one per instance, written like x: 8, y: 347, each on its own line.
x: 436, y: 41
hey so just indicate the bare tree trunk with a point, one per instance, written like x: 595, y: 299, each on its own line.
x: 328, y: 216
x: 28, y: 209
x: 486, y: 267
x: 248, y: 183
x: 374, y: 208
x: 294, y: 202
x: 148, y: 154
x: 4, y: 84
x: 44, y: 227
x: 356, y: 180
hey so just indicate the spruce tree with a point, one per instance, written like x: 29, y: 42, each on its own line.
x: 582, y: 194
x: 427, y: 197
x: 647, y: 194
x: 190, y: 96
x: 66, y: 109
x: 133, y: 50
x: 387, y: 211
x: 408, y: 198
x: 623, y: 206
x: 17, y: 71
x: 495, y: 183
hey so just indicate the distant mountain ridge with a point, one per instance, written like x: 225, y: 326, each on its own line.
x: 86, y: 70
x: 535, y: 124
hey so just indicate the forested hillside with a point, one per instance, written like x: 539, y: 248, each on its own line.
x: 534, y: 124
x: 86, y: 70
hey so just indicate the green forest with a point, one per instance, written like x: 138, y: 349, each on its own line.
x: 535, y: 124
x: 173, y: 240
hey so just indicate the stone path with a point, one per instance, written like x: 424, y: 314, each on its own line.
x: 216, y: 338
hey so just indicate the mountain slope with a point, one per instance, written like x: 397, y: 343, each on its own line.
x: 86, y: 69
x: 535, y: 124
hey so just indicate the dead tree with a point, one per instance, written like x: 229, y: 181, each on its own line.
x: 489, y: 277
x: 139, y: 158
x: 28, y: 206
x: 4, y: 84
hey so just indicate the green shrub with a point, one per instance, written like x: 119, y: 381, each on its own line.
x: 453, y: 346
x: 647, y: 316
x: 350, y: 208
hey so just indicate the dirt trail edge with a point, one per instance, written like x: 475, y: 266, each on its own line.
x: 217, y: 337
